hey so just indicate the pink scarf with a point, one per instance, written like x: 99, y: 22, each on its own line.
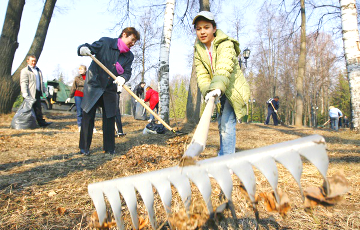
x: 123, y: 49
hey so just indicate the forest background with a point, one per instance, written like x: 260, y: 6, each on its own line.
x: 270, y: 29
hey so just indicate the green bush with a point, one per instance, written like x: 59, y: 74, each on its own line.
x: 18, y: 101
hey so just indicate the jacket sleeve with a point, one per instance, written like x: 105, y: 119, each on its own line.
x: 225, y: 61
x: 24, y: 83
x: 73, y: 88
x: 147, y: 96
x: 202, y: 75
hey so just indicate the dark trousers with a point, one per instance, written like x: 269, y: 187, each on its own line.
x: 118, y: 116
x: 87, y: 127
x: 274, y: 116
x: 37, y: 109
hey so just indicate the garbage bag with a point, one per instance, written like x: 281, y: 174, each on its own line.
x: 140, y: 112
x: 153, y: 128
x: 25, y: 116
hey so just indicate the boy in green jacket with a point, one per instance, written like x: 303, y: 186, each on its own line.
x: 219, y: 75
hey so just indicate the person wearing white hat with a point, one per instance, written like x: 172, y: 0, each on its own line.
x: 219, y: 75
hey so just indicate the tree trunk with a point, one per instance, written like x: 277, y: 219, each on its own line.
x: 10, y: 85
x: 301, y: 69
x: 164, y: 60
x: 8, y: 46
x: 352, y: 56
x: 194, y: 95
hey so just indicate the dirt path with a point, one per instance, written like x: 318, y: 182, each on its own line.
x: 43, y: 179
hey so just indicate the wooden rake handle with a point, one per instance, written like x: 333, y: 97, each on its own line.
x: 133, y: 94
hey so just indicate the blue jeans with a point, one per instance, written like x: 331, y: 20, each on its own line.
x: 334, y: 121
x: 78, y: 101
x: 157, y: 110
x: 227, y: 129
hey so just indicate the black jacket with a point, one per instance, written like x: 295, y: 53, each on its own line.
x: 98, y: 82
x: 275, y: 104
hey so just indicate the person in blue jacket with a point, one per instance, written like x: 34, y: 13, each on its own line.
x: 273, y: 103
x: 99, y: 87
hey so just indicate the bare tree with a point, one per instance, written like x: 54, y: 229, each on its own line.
x: 10, y: 84
x: 301, y: 70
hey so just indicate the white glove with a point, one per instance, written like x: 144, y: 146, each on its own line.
x: 213, y: 93
x: 67, y: 100
x: 85, y: 51
x: 119, y: 89
x: 119, y: 81
x: 275, y: 111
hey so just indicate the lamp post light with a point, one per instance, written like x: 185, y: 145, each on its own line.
x: 246, y: 55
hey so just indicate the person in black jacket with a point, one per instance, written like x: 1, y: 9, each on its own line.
x: 99, y: 87
x: 273, y: 103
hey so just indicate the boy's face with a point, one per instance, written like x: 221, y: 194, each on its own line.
x: 205, y: 32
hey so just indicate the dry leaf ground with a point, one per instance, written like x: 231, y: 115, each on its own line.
x: 43, y: 179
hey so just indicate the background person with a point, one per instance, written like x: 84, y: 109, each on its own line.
x: 139, y: 91
x: 76, y: 91
x: 272, y: 103
x: 334, y: 114
x: 32, y: 86
x: 152, y: 97
x: 99, y: 88
x: 219, y: 74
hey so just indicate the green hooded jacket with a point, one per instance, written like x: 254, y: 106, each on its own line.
x: 227, y: 75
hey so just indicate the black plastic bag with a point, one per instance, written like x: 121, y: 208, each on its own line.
x: 25, y: 116
x: 155, y: 128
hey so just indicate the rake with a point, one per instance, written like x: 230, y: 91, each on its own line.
x: 241, y: 163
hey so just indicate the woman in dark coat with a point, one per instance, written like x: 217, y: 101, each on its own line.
x: 99, y: 88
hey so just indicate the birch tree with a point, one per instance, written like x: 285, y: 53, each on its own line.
x: 352, y: 56
x: 164, y: 98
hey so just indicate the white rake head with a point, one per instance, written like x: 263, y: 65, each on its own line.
x: 264, y: 159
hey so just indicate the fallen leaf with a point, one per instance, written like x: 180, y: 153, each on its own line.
x: 61, y: 211
x: 51, y: 193
x: 143, y: 222
x: 338, y: 185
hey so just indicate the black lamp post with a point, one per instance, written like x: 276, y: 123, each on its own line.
x: 246, y: 55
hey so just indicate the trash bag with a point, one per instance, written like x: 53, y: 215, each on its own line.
x: 153, y: 128
x: 25, y: 116
x: 140, y: 112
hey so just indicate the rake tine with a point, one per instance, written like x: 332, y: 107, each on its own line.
x: 97, y: 196
x: 146, y: 193
x: 267, y: 167
x: 163, y: 187
x: 292, y: 162
x: 114, y: 199
x: 128, y: 192
x: 223, y: 178
x: 182, y: 185
x: 312, y: 152
x: 245, y: 173
x: 202, y: 182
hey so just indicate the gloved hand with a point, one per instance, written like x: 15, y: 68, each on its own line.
x: 275, y: 111
x: 119, y: 89
x: 119, y: 81
x: 67, y: 100
x: 85, y: 51
x: 213, y: 93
